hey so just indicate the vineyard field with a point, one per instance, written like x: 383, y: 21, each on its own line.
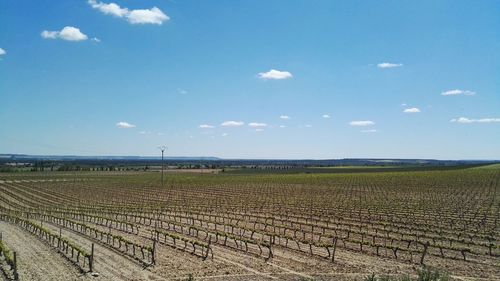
x: 317, y: 224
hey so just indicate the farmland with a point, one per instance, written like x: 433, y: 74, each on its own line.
x: 237, y: 225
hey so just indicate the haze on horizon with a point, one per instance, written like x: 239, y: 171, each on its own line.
x: 251, y: 79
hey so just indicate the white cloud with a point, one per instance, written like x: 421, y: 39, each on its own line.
x: 411, y: 110
x: 465, y: 120
x: 275, y: 75
x: 68, y: 33
x: 49, y: 34
x: 284, y: 117
x: 389, y: 65
x: 257, y: 125
x: 206, y: 126
x: 308, y: 126
x: 362, y: 123
x: 2, y: 52
x: 369, y: 131
x: 457, y: 92
x: 232, y: 124
x: 326, y: 116
x: 72, y: 34
x: 124, y: 125
x: 144, y: 16
x: 282, y: 126
x: 259, y: 130
x: 224, y: 134
x: 109, y: 9
x: 139, y: 16
x: 95, y: 39
x: 144, y: 133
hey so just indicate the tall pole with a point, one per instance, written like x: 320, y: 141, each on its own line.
x: 162, y: 148
x: 91, y: 260
x: 162, y: 167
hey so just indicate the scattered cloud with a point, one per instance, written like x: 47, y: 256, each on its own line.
x: 49, y: 34
x: 124, y: 125
x: 95, y: 39
x: 286, y: 117
x: 275, y: 75
x: 458, y: 92
x: 2, y: 52
x: 411, y: 110
x: 362, y: 123
x: 326, y: 116
x: 465, y: 120
x: 259, y: 130
x: 282, y: 126
x: 139, y: 16
x: 147, y: 16
x: 206, y: 126
x: 369, y: 131
x: 257, y: 125
x: 182, y: 91
x: 144, y: 133
x: 109, y: 9
x: 68, y: 33
x: 308, y: 126
x: 232, y: 124
x: 389, y: 65
x: 224, y: 134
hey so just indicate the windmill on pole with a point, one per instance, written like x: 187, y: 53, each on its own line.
x: 162, y: 148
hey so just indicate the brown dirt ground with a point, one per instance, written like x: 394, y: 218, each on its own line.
x: 36, y: 260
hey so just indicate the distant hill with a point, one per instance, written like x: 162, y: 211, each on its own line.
x: 20, y: 157
x: 143, y: 160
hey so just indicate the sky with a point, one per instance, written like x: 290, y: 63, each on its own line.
x: 251, y: 79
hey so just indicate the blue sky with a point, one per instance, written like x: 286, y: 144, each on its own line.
x: 219, y: 78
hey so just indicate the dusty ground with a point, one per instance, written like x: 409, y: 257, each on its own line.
x: 36, y: 260
x: 228, y: 264
x: 40, y: 262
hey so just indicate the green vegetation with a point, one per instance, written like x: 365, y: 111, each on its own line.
x: 5, y: 252
x: 342, y: 169
x: 492, y: 166
x: 424, y: 274
x: 430, y: 274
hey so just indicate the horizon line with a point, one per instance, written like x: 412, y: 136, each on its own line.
x: 3, y: 155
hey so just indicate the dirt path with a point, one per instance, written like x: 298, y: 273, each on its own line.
x: 36, y: 260
x: 249, y: 263
x: 109, y: 264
